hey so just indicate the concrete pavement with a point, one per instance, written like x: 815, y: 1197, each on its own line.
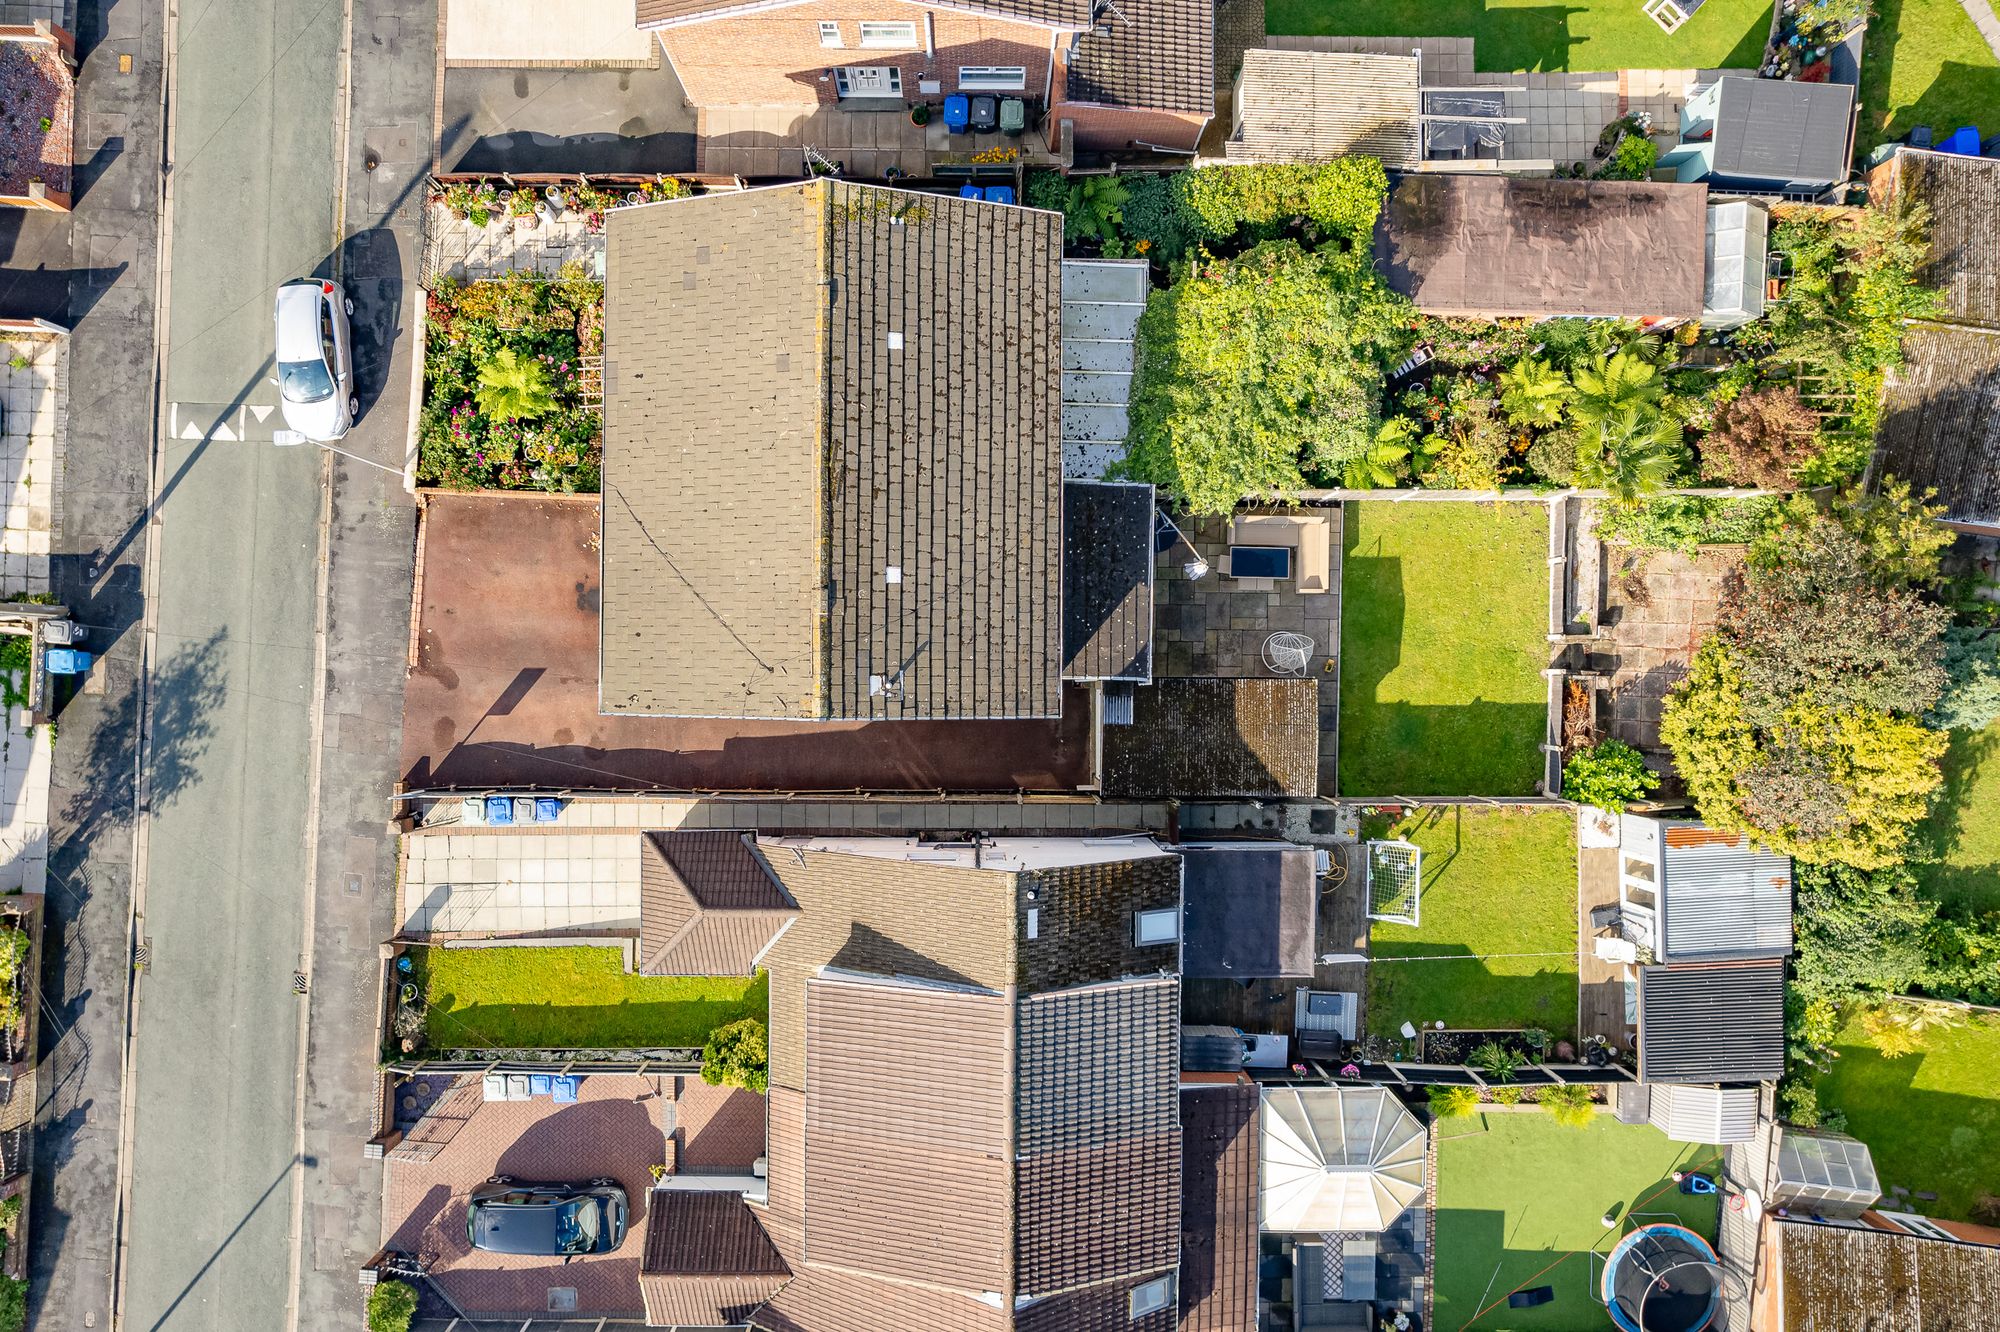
x: 105, y: 258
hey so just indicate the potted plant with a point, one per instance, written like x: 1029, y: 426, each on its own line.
x: 920, y: 113
x: 521, y: 207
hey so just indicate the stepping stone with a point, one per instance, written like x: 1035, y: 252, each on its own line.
x: 1925, y: 1195
x: 1899, y: 1190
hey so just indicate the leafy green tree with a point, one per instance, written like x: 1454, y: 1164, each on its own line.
x: 1630, y: 455
x: 1609, y: 775
x: 1614, y: 383
x: 514, y: 387
x: 391, y: 1306
x: 737, y: 1055
x: 1257, y: 371
x: 1817, y: 617
x: 1341, y: 198
x: 1533, y: 393
x: 1712, y: 741
x: 1858, y: 931
x: 1882, y: 770
x: 1898, y: 531
x: 1971, y: 662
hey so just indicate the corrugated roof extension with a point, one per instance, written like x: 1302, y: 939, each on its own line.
x: 1218, y: 1276
x: 1712, y: 1022
x: 1107, y: 581
x: 1941, y: 420
x: 1723, y: 897
x: 1963, y: 195
x: 832, y: 457
x: 1837, y: 1278
x: 1153, y: 54
x: 707, y: 904
x: 1314, y: 106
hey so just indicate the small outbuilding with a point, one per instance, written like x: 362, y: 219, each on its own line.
x: 1826, y: 1175
x: 1768, y: 135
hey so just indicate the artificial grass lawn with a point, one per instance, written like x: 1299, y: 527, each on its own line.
x: 1963, y: 831
x: 570, y: 997
x: 1443, y: 638
x: 1931, y: 1120
x: 1522, y: 35
x: 1520, y: 1203
x: 1495, y: 881
x: 1924, y: 63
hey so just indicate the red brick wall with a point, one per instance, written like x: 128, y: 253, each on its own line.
x: 1109, y: 128
x: 775, y: 58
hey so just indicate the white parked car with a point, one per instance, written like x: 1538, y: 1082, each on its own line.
x: 316, y: 359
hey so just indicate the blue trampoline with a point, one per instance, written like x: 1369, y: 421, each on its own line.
x: 1662, y: 1278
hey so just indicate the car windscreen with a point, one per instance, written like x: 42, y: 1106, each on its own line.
x: 304, y: 381
x: 576, y: 1226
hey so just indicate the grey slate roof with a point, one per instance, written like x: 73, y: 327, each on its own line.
x: 1712, y: 1022
x: 1313, y: 106
x: 1249, y: 909
x: 1723, y: 897
x: 1963, y: 195
x: 1152, y: 54
x: 1495, y: 246
x: 1107, y: 581
x: 808, y: 387
x: 1777, y: 130
x: 1941, y: 420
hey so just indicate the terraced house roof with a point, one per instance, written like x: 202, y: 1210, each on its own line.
x: 832, y: 457
x: 1061, y: 14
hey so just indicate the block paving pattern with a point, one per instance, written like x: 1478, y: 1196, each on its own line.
x: 618, y: 1128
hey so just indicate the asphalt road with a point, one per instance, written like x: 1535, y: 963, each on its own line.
x: 249, y: 1204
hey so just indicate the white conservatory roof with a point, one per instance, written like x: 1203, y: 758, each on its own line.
x: 1337, y: 1158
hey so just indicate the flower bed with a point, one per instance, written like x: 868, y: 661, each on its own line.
x: 506, y: 370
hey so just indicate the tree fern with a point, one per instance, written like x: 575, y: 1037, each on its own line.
x: 513, y: 387
x: 1533, y: 393
x: 1609, y: 385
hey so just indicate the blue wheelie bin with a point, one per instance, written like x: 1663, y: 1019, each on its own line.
x: 957, y: 113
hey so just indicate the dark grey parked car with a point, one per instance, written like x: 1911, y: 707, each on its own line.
x: 557, y: 1220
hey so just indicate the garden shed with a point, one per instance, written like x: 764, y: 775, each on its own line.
x: 1715, y: 1115
x: 1690, y: 893
x: 1337, y: 1158
x: 1775, y: 135
x: 1712, y: 1022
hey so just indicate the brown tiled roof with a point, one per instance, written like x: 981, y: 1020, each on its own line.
x: 707, y: 904
x: 1210, y: 738
x: 955, y: 1137
x: 1152, y: 54
x: 707, y: 1259
x: 1107, y: 580
x: 1314, y: 106
x: 907, y: 1172
x: 1065, y: 14
x: 1218, y: 1278
x: 1084, y: 921
x: 1491, y: 246
x: 807, y: 387
x: 1963, y: 195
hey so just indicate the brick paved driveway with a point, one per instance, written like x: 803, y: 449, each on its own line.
x: 618, y: 1128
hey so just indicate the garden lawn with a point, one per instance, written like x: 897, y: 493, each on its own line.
x: 1443, y: 638
x: 566, y: 997
x: 1520, y: 1201
x: 1963, y: 831
x: 1495, y: 881
x: 1931, y: 1120
x: 1924, y: 63
x: 1525, y: 35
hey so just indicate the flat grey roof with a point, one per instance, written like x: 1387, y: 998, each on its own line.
x: 1249, y: 911
x: 1772, y: 129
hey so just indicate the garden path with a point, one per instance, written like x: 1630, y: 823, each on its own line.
x: 1983, y: 18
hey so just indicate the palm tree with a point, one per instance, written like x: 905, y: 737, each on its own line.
x: 1610, y: 384
x: 1631, y: 455
x: 1533, y: 392
x: 1377, y: 467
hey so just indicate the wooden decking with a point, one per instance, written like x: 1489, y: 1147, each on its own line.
x: 1265, y: 1006
x: 1600, y: 990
